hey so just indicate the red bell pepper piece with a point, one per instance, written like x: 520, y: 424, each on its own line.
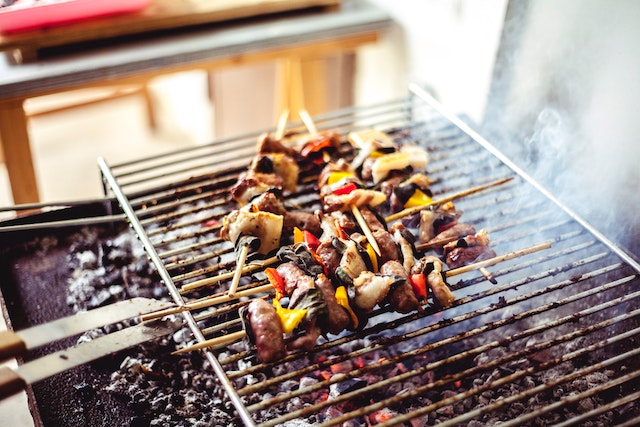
x: 315, y: 145
x: 419, y: 285
x: 311, y: 240
x: 276, y: 281
x: 345, y: 189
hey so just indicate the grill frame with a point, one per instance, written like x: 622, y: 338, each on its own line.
x: 130, y: 184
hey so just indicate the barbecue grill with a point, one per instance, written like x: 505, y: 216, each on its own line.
x: 553, y: 342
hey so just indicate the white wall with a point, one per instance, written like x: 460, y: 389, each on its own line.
x: 446, y: 46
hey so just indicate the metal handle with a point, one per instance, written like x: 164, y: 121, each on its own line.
x: 11, y: 345
x: 10, y: 382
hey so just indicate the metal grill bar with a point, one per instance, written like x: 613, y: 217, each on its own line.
x: 583, y: 289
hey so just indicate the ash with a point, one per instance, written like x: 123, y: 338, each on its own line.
x: 163, y: 390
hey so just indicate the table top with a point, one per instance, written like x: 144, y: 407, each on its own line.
x: 143, y: 16
x: 180, y: 48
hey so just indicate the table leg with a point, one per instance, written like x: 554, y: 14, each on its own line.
x: 17, y: 152
x: 302, y: 83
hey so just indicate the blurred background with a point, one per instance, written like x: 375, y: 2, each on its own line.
x: 553, y: 84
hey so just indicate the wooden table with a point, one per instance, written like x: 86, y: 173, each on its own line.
x: 297, y: 37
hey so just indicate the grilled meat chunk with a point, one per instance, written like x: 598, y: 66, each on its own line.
x: 268, y: 202
x: 358, y: 197
x: 295, y: 279
x: 388, y: 248
x: 251, y: 184
x: 264, y: 225
x: 281, y: 165
x: 268, y: 144
x: 401, y: 297
x: 336, y: 318
x: 371, y: 289
x: 468, y: 249
x: 432, y: 267
x: 266, y: 330
x: 455, y: 231
x: 461, y: 256
x: 330, y: 257
x: 436, y: 219
x: 303, y: 220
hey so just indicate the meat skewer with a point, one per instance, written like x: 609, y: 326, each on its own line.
x: 217, y: 341
x: 463, y: 193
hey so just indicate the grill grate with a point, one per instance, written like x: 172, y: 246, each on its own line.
x: 555, y: 341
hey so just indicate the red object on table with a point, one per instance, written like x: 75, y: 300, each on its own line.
x: 30, y: 15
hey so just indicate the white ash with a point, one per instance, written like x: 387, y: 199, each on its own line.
x: 164, y: 390
x: 106, y: 271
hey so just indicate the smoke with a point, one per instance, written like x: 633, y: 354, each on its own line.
x: 563, y: 105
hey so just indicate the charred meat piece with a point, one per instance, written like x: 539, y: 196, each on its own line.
x: 268, y: 144
x: 294, y: 278
x: 468, y: 249
x: 303, y: 220
x: 336, y: 318
x: 279, y: 164
x: 251, y: 184
x: 437, y: 219
x: 388, y: 248
x: 455, y: 232
x: 359, y: 197
x: 268, y: 202
x: 371, y: 289
x: 461, y: 256
x: 330, y: 257
x: 431, y: 266
x: 405, y: 241
x: 306, y: 341
x: 265, y: 330
x: 401, y: 297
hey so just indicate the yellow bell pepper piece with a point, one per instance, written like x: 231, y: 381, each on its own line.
x: 372, y: 256
x: 343, y: 300
x: 418, y: 198
x: 298, y: 236
x: 338, y: 176
x: 290, y: 318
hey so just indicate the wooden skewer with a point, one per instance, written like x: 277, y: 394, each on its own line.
x: 365, y: 229
x: 217, y: 341
x: 497, y: 259
x: 439, y: 242
x: 237, y: 274
x: 311, y: 127
x: 249, y: 268
x: 308, y: 122
x: 206, y: 302
x: 488, y: 275
x: 282, y: 123
x: 463, y: 193
x: 213, y: 342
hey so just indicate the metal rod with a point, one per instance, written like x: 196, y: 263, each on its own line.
x: 173, y: 291
x: 424, y: 95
